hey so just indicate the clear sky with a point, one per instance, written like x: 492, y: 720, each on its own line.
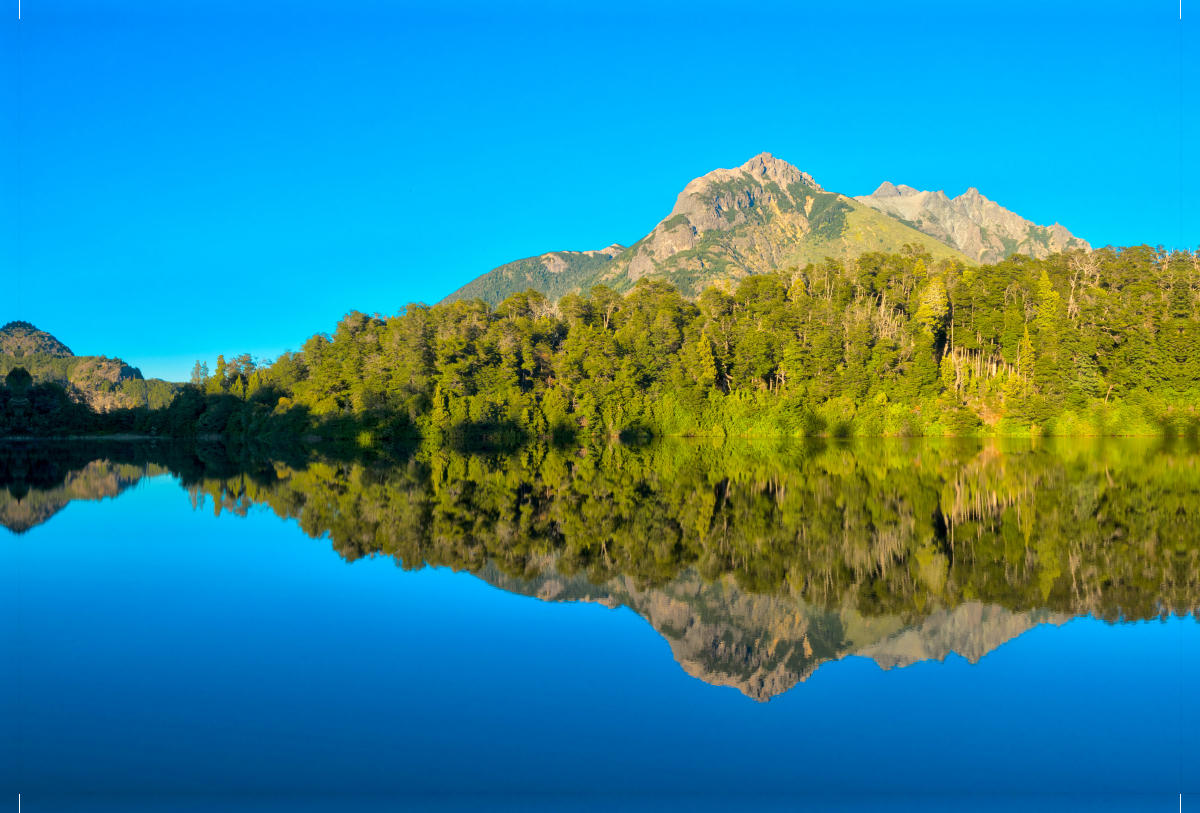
x: 180, y: 180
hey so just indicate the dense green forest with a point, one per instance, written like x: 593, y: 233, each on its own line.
x: 1106, y: 342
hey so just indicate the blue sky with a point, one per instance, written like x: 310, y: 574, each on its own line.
x: 181, y: 180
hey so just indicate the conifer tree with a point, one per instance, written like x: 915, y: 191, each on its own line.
x: 934, y: 305
x: 1045, y: 368
x: 1178, y: 342
x: 1025, y: 361
x: 1087, y: 379
x: 706, y: 370
x: 216, y: 383
x: 1010, y: 339
x: 949, y: 374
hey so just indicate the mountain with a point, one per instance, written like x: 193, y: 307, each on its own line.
x: 980, y: 228
x: 764, y: 645
x: 101, y: 382
x: 764, y: 215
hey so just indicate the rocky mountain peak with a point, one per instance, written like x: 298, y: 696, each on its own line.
x: 976, y: 226
x: 766, y: 167
x: 763, y: 215
x: 889, y: 190
x: 767, y: 214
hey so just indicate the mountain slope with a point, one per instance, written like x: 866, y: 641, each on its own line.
x: 762, y: 216
x: 727, y: 224
x: 101, y: 382
x: 554, y: 274
x: 980, y: 228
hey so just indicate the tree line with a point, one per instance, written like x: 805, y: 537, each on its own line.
x: 1106, y: 342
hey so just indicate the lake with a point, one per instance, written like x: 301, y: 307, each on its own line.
x: 685, y: 625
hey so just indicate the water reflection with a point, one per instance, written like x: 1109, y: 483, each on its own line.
x: 757, y: 562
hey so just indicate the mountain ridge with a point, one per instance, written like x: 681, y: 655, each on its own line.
x: 767, y: 215
x: 975, y: 225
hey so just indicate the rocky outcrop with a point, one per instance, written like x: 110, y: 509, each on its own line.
x: 729, y: 223
x: 96, y: 380
x: 726, y: 198
x: 980, y: 228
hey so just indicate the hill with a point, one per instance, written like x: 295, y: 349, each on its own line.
x: 101, y: 382
x: 980, y: 228
x: 555, y: 274
x: 725, y: 225
x: 21, y: 339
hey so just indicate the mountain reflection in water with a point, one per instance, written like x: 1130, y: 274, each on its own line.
x: 757, y: 561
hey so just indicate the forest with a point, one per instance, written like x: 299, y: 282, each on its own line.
x: 1083, y: 343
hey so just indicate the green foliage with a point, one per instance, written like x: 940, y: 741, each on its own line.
x: 102, y: 383
x: 893, y: 344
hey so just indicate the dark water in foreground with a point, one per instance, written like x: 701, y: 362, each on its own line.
x: 683, y: 626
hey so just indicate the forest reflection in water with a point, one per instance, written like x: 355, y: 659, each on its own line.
x: 756, y: 561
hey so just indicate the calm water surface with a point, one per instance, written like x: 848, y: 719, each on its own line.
x: 683, y: 626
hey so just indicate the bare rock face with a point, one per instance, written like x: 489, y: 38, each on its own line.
x: 980, y: 228
x: 721, y: 199
x: 96, y: 380
x: 729, y: 222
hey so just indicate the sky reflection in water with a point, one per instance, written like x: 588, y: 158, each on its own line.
x: 162, y: 649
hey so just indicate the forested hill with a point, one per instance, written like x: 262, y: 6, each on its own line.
x: 767, y: 215
x: 1106, y: 342
x: 100, y: 382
